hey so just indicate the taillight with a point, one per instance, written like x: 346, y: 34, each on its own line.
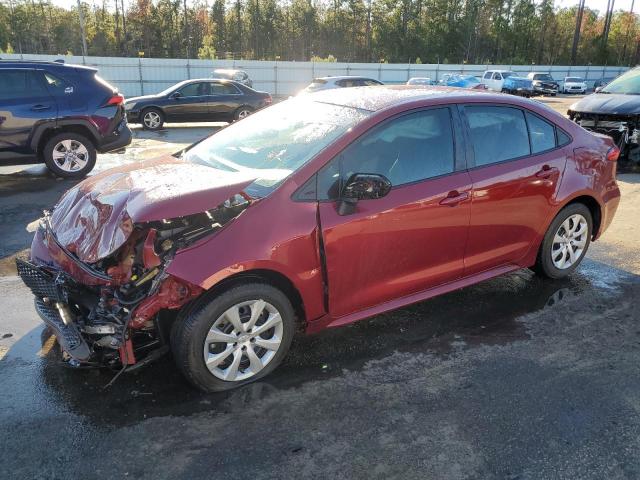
x: 268, y: 100
x: 116, y: 99
x: 613, y: 154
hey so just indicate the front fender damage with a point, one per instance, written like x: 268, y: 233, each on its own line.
x: 121, y: 304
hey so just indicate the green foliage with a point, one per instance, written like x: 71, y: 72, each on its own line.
x: 9, y: 49
x: 207, y: 50
x: 328, y: 59
x: 405, y: 31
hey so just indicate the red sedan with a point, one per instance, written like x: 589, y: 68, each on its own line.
x: 314, y: 213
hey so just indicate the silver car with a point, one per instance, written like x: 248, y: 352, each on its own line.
x: 327, y: 83
x: 233, y: 74
x: 420, y: 81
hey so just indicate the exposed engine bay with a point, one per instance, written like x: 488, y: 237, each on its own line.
x: 624, y: 129
x: 116, y: 311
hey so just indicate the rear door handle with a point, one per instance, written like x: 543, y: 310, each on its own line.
x: 547, y: 172
x: 454, y: 197
x: 37, y: 108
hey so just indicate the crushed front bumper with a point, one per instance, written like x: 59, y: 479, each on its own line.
x: 51, y: 305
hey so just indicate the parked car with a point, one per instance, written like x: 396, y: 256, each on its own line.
x: 464, y: 81
x: 507, y: 82
x: 202, y: 100
x: 543, y: 83
x: 62, y: 115
x: 601, y: 83
x: 420, y: 81
x: 236, y: 75
x: 614, y: 111
x: 328, y: 83
x: 574, y: 85
x: 311, y: 214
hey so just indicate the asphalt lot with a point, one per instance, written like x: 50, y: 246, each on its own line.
x: 515, y: 378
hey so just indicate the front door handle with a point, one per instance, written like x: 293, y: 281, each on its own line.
x: 39, y: 107
x: 547, y: 172
x: 454, y: 198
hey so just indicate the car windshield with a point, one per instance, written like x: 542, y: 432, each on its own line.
x: 543, y: 76
x: 629, y: 84
x: 275, y: 142
x: 317, y: 83
x: 574, y: 80
x: 167, y: 91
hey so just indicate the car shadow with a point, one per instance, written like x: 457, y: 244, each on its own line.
x: 483, y: 314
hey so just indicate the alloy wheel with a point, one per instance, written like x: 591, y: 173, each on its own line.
x: 151, y: 120
x: 70, y: 155
x: 243, y: 340
x: 243, y: 114
x: 569, y: 242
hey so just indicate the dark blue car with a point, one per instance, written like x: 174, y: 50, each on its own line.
x: 58, y: 114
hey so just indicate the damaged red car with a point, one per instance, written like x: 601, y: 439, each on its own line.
x: 314, y: 213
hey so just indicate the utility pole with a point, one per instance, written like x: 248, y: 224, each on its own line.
x: 82, y: 32
x: 576, y: 35
x: 186, y: 28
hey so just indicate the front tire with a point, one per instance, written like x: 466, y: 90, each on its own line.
x: 234, y: 338
x: 152, y: 119
x: 69, y: 155
x: 566, y: 242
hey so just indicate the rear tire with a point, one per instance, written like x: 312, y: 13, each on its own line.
x: 218, y: 345
x: 566, y: 242
x: 242, y: 112
x: 69, y: 155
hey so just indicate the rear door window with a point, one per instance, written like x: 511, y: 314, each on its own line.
x: 223, y: 89
x: 497, y: 133
x: 20, y: 84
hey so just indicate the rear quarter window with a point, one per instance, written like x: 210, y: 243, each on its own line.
x: 497, y: 133
x: 541, y: 133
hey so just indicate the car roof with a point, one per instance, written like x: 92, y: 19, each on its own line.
x: 44, y: 63
x: 383, y: 96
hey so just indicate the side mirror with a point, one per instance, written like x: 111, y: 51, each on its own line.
x: 362, y: 186
x: 176, y: 95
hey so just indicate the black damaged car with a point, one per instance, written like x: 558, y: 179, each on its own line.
x: 614, y: 111
x: 202, y: 100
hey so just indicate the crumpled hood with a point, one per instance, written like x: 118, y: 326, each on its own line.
x: 94, y: 218
x: 608, y: 103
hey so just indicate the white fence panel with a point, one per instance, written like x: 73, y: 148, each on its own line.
x: 143, y: 76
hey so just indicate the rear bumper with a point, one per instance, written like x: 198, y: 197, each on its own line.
x: 611, y: 200
x: 120, y: 139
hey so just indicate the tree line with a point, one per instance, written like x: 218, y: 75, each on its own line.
x: 395, y: 31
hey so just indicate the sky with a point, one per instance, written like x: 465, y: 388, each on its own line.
x: 600, y: 5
